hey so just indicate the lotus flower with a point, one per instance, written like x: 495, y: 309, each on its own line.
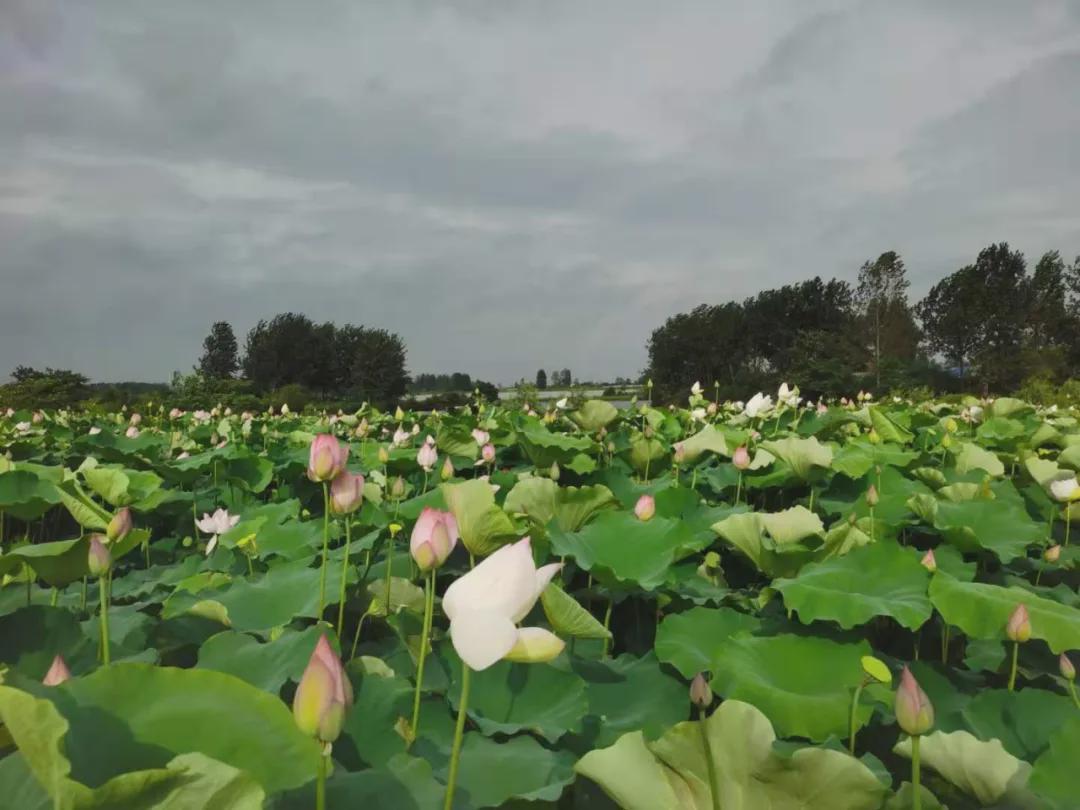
x: 1065, y: 489
x: 914, y: 712
x: 433, y: 538
x: 426, y: 456
x: 645, y: 507
x: 700, y: 693
x: 346, y: 493
x: 741, y: 458
x: 481, y: 437
x: 1018, y: 628
x: 98, y: 560
x: 120, y: 525
x: 447, y: 471
x: 401, y: 437
x: 788, y: 396
x: 759, y: 405
x: 323, y: 696
x: 327, y: 458
x: 929, y: 561
x: 697, y: 415
x: 485, y: 605
x: 1065, y: 666
x: 58, y: 672
x: 94, y: 430
x: 136, y: 419
x: 1052, y: 554
x: 218, y: 523
x: 487, y: 454
x: 696, y: 389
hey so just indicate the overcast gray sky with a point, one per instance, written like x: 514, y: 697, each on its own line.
x: 508, y: 185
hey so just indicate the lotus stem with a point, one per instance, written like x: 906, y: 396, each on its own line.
x: 1068, y: 522
x: 103, y: 598
x: 916, y: 776
x: 1012, y: 672
x: 429, y: 610
x: 459, y: 732
x: 320, y: 782
x: 738, y: 488
x: 389, y: 568
x: 344, y: 571
x: 854, y: 708
x: 1072, y: 691
x: 607, y: 626
x: 82, y: 606
x: 356, y: 636
x: 325, y: 548
x: 710, y: 764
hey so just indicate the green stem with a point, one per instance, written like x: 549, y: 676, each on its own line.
x: 344, y: 571
x: 710, y: 763
x: 251, y: 568
x: 1072, y: 691
x: 356, y: 636
x: 103, y: 597
x: 194, y: 513
x: 82, y: 606
x: 389, y: 568
x: 854, y: 709
x: 55, y: 597
x: 607, y: 626
x: 459, y: 732
x: 871, y: 524
x: 811, y: 499
x: 916, y: 775
x: 429, y: 610
x: 1012, y: 672
x: 320, y: 783
x: 1068, y: 522
x: 738, y: 488
x: 325, y: 548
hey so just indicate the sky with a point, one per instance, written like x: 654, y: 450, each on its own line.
x: 507, y: 185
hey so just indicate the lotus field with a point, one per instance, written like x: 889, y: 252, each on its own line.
x: 720, y: 606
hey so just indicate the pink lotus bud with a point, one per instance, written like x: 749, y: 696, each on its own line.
x: 426, y: 456
x: 645, y: 507
x: 700, y: 693
x: 929, y: 561
x: 447, y: 471
x: 99, y: 559
x: 487, y: 453
x: 822, y: 408
x: 136, y: 419
x: 323, y: 696
x: 741, y: 458
x: 678, y: 452
x: 37, y: 418
x: 1018, y: 628
x: 58, y: 672
x: 872, y: 496
x: 175, y: 413
x: 132, y: 432
x: 914, y: 712
x: 346, y: 493
x: 327, y: 458
x: 710, y: 409
x: 120, y: 525
x: 433, y: 538
x: 397, y: 488
x: 1052, y: 554
x: 1068, y: 671
x: 481, y: 437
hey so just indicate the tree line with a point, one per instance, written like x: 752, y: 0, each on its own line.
x: 988, y: 327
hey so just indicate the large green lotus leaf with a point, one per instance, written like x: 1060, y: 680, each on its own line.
x: 1054, y: 774
x: 859, y: 456
x: 252, y: 473
x: 618, y: 547
x: 706, y: 440
x: 762, y: 537
x: 972, y: 457
x: 57, y: 563
x: 982, y: 610
x: 594, y: 414
x: 1070, y: 457
x: 1023, y: 721
x: 491, y: 773
x: 32, y: 636
x: 18, y: 785
x: 381, y: 697
x: 544, y: 500
x: 997, y: 525
x: 1009, y: 406
x: 615, y: 687
x: 404, y: 783
x: 545, y: 448
x: 690, y: 641
x: 1000, y: 430
x: 878, y: 579
x: 802, y: 683
x: 647, y: 454
x: 801, y: 455
x: 672, y: 774
x: 1042, y: 470
x: 887, y: 427
x: 980, y: 768
x: 266, y: 665
x: 567, y: 617
x: 87, y: 513
x: 483, y: 525
x: 111, y: 483
x: 26, y: 496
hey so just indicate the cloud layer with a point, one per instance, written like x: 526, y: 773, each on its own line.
x: 507, y: 185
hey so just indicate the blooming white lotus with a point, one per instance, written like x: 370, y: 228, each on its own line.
x: 218, y: 523
x: 1065, y: 489
x: 758, y: 405
x: 696, y: 389
x: 561, y: 404
x: 485, y: 605
x: 788, y: 396
x: 401, y: 437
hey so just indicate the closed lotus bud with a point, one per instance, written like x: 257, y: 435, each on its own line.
x: 399, y: 414
x: 946, y: 441
x: 58, y: 673
x: 700, y: 693
x: 951, y: 426
x: 384, y: 455
x: 554, y: 471
x: 1068, y: 671
x: 649, y: 432
x: 120, y: 525
x: 397, y: 488
x: 426, y: 456
x: 914, y: 712
x: 929, y: 561
x: 487, y: 453
x: 136, y: 419
x: 645, y: 507
x: 433, y: 538
x: 346, y: 493
x: 710, y: 409
x: 327, y: 458
x: 37, y: 418
x: 874, y: 436
x: 447, y: 471
x: 323, y: 696
x: 99, y: 559
x: 1052, y: 554
x: 872, y: 496
x: 678, y: 452
x: 1018, y: 628
x: 741, y: 458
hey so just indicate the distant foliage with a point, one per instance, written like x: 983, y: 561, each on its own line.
x: 541, y: 379
x: 458, y: 381
x: 51, y: 388
x: 219, y: 359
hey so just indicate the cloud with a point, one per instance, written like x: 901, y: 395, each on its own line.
x: 506, y: 185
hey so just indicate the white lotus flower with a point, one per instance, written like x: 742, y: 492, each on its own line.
x: 485, y: 605
x: 696, y: 389
x: 561, y: 404
x: 22, y: 427
x: 1065, y: 489
x: 481, y: 437
x: 218, y: 523
x: 94, y: 431
x: 759, y: 405
x: 698, y: 414
x: 788, y: 396
x: 401, y: 437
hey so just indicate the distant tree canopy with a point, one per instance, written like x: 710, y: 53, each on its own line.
x: 427, y: 382
x: 51, y: 388
x: 219, y: 359
x: 541, y: 379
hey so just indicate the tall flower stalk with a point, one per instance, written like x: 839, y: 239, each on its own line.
x: 326, y: 461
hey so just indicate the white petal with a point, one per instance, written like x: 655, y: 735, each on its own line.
x: 544, y: 575
x: 211, y: 545
x: 482, y: 638
x: 500, y: 583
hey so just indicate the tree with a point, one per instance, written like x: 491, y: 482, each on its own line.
x: 219, y: 357
x: 950, y: 315
x: 885, y: 318
x: 378, y: 368
x: 280, y: 351
x: 541, y: 379
x: 566, y: 379
x: 51, y: 388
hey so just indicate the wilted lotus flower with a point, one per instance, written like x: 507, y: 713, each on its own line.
x: 323, y: 696
x: 346, y: 493
x: 929, y: 561
x: 759, y: 405
x: 99, y: 560
x: 433, y: 538
x: 914, y: 712
x: 700, y: 693
x: 327, y: 458
x: 426, y: 456
x: 741, y: 458
x: 447, y: 471
x: 218, y: 523
x: 1065, y: 666
x: 1052, y: 554
x: 132, y: 432
x: 58, y: 672
x: 1065, y: 489
x: 645, y: 507
x: 485, y: 605
x: 1018, y: 628
x: 120, y: 525
x: 481, y: 437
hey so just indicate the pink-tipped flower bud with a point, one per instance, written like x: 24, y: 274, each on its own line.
x: 741, y: 458
x: 397, y: 488
x: 132, y: 432
x: 929, y: 561
x: 136, y: 419
x: 37, y: 418
x: 1068, y: 671
x: 700, y: 693
x: 1052, y: 554
x: 120, y: 525
x: 645, y: 507
x: 678, y: 452
x: 872, y: 496
x: 346, y: 493
x: 58, y: 672
x: 487, y: 453
x: 327, y: 458
x: 426, y: 456
x: 99, y: 560
x: 1018, y: 628
x: 914, y: 712
x: 447, y: 471
x: 433, y: 538
x: 323, y: 696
